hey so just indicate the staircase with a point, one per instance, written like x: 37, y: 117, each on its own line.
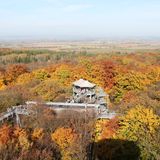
x: 14, y: 111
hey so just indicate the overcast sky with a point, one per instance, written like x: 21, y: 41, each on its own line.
x: 62, y: 19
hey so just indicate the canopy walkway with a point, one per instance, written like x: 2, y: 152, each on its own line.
x: 26, y: 109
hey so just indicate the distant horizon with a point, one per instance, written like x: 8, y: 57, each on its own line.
x: 61, y: 39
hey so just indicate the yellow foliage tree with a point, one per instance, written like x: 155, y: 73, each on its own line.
x: 92, y: 71
x: 80, y: 72
x: 37, y: 133
x: 49, y: 90
x: 130, y: 81
x: 63, y: 75
x: 138, y: 122
x: 41, y: 74
x: 153, y: 74
x: 24, y: 78
x: 2, y: 84
x: 65, y: 138
x: 23, y: 140
x: 141, y: 125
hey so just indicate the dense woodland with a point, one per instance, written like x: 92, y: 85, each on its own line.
x: 131, y: 80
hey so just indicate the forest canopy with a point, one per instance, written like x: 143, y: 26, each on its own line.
x: 131, y: 80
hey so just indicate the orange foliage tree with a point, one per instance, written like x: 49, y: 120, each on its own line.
x: 108, y: 73
x: 106, y: 129
x: 2, y: 79
x: 5, y: 135
x: 13, y: 71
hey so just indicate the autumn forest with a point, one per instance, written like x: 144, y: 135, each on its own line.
x: 132, y: 81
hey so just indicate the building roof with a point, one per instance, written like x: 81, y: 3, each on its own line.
x: 83, y: 84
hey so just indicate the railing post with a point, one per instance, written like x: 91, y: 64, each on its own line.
x: 17, y: 118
